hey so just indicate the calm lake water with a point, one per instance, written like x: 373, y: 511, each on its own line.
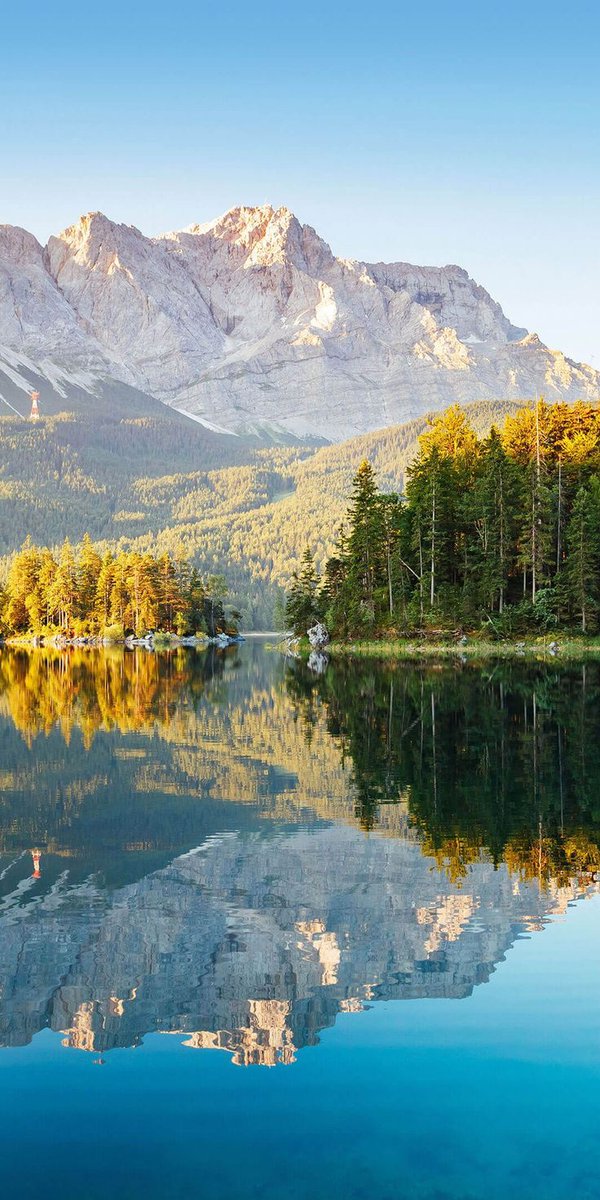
x: 267, y: 934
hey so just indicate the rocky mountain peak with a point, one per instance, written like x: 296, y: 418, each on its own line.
x: 242, y: 226
x: 250, y: 320
x: 92, y: 240
x: 18, y: 246
x: 264, y: 236
x: 532, y: 339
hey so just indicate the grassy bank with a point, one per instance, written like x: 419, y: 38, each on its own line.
x: 550, y: 648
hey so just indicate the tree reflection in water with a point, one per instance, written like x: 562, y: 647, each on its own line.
x: 233, y: 850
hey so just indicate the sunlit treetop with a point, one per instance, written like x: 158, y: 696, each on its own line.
x: 450, y: 434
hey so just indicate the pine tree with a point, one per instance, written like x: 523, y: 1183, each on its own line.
x: 491, y: 506
x: 104, y: 589
x: 88, y: 569
x: 171, y: 604
x: 45, y: 579
x: 391, y: 546
x: 303, y: 607
x: 364, y: 548
x: 279, y: 620
x: 63, y: 592
x: 433, y: 492
x: 142, y: 587
x: 581, y: 576
x: 119, y: 595
x: 450, y: 434
x: 216, y: 590
x: 196, y: 601
x: 21, y: 587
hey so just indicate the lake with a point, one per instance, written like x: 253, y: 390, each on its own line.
x: 279, y: 935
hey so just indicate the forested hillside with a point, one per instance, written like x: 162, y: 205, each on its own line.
x: 234, y: 506
x: 500, y: 532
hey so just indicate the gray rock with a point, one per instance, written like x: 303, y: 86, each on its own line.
x: 318, y: 636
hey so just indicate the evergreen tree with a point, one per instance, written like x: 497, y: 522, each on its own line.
x: 364, y: 549
x: 104, y: 589
x: 432, y: 493
x: 171, y: 604
x: 303, y: 606
x: 279, y: 616
x: 392, y: 528
x: 63, y: 592
x: 88, y: 569
x: 490, y: 508
x: 21, y: 588
x: 196, y: 600
x: 214, y: 612
x: 582, y: 565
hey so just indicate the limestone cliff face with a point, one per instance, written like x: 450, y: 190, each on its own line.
x: 250, y: 321
x: 254, y: 943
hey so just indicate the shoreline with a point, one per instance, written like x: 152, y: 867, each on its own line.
x: 547, y: 649
x: 160, y: 642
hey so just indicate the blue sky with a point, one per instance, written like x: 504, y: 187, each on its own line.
x: 430, y: 133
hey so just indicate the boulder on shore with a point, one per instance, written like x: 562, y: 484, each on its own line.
x: 318, y: 636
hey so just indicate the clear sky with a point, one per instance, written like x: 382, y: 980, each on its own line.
x: 427, y: 132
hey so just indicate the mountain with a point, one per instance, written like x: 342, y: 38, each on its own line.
x: 251, y: 323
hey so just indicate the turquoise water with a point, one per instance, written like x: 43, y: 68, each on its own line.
x: 366, y: 901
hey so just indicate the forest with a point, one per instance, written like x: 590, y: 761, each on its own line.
x: 236, y: 506
x: 80, y: 593
x: 500, y: 533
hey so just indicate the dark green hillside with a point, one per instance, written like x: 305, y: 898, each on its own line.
x: 71, y: 472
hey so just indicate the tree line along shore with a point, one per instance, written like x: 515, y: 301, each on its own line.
x: 75, y: 594
x: 497, y: 537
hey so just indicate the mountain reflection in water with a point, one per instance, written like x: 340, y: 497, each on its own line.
x: 229, y: 849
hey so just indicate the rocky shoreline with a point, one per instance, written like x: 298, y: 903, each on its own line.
x: 150, y: 641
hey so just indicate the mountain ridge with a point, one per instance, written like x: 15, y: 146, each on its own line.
x: 250, y: 321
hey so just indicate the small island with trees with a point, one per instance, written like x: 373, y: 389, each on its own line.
x: 495, y: 537
x: 78, y: 596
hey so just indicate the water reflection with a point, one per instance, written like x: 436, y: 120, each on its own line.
x: 233, y: 851
x: 503, y: 761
